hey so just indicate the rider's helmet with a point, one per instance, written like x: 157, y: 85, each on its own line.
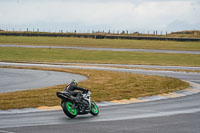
x: 74, y: 82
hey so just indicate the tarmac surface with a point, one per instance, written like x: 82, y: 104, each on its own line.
x: 105, y: 49
x: 174, y: 115
x: 179, y: 115
x: 188, y: 123
x: 23, y: 79
x: 136, y: 66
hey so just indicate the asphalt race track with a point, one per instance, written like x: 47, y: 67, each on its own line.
x: 174, y: 115
x: 104, y: 49
x: 158, y: 116
x: 23, y: 79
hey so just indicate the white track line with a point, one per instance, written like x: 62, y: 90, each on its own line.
x: 1, y: 131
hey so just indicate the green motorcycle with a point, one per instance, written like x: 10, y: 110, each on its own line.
x: 73, y: 107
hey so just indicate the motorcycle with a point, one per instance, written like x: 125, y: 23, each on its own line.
x: 73, y: 107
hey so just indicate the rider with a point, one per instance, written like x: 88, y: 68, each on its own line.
x: 74, y: 86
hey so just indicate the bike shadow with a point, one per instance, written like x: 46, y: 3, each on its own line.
x: 80, y: 118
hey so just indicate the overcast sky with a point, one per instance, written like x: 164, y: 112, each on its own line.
x: 88, y: 15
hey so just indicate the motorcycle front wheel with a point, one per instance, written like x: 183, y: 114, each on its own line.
x: 94, y: 109
x: 69, y: 109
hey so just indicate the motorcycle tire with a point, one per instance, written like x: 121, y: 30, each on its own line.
x: 94, y: 109
x: 69, y: 110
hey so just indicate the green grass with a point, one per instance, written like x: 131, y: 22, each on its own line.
x: 105, y: 43
x: 85, y: 56
x: 102, y: 85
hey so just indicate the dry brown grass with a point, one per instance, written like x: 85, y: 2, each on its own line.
x: 104, y: 85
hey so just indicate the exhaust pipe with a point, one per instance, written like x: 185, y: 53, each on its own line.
x: 62, y: 95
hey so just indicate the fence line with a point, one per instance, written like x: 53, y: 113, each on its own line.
x: 98, y: 36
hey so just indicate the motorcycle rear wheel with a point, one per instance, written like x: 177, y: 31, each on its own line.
x: 69, y: 110
x: 94, y: 109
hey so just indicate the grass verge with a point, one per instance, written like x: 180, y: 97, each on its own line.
x: 105, y: 86
x: 86, y: 56
x: 103, y: 43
